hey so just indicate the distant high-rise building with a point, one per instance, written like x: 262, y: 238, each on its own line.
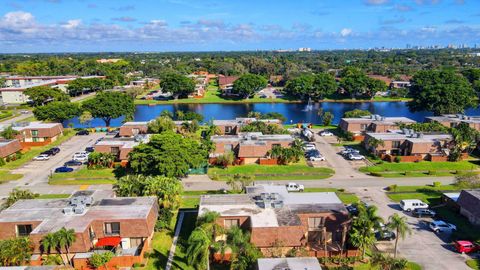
x: 304, y: 49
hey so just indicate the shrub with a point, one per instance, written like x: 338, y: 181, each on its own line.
x: 436, y: 184
x: 164, y: 219
x: 392, y: 188
x: 377, y: 174
x: 397, y: 159
x: 214, y: 176
x: 432, y: 173
x: 2, y: 162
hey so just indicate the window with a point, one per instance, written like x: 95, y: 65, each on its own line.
x: 115, y: 150
x: 363, y: 127
x: 112, y: 228
x: 395, y: 144
x: 24, y: 229
x: 315, y: 223
x: 34, y: 133
x: 229, y: 223
x: 228, y: 130
x: 136, y: 241
x: 35, y: 139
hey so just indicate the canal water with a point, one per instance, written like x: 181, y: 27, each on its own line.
x: 294, y: 112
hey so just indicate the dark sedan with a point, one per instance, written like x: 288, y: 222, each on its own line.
x: 73, y: 163
x: 63, y: 169
x: 83, y: 132
x: 385, y: 235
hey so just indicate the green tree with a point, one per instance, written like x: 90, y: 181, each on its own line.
x: 300, y: 87
x: 2, y: 82
x: 176, y: 84
x: 110, y: 105
x: 441, y: 92
x: 465, y: 139
x: 362, y: 234
x: 9, y: 133
x: 80, y: 86
x: 327, y: 118
x: 356, y: 113
x: 98, y: 260
x: 98, y: 160
x: 42, y: 94
x: 324, y: 85
x: 188, y: 116
x: 385, y: 262
x: 57, y: 111
x: 269, y: 115
x: 247, y: 85
x: 355, y: 82
x: 161, y: 124
x: 244, y: 253
x: 65, y: 239
x: 168, y: 154
x: 400, y: 225
x: 49, y: 242
x: 15, y: 251
x: 18, y: 194
x: 264, y: 128
x: 198, y: 249
x: 473, y: 76
x: 226, y: 159
x: 85, y: 118
x: 373, y: 143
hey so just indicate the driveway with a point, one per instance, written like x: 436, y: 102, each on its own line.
x: 430, y: 250
x: 344, y: 169
x: 36, y: 173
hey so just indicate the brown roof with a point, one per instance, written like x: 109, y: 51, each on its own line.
x: 46, y: 130
x: 469, y: 200
x: 227, y: 80
x: 252, y: 150
x: 8, y: 147
x: 384, y: 79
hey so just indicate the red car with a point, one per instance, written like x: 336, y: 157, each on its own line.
x: 466, y: 246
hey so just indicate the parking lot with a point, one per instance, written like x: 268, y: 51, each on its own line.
x: 36, y: 172
x: 423, y: 246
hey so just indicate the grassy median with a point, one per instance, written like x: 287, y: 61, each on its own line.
x: 418, y: 169
x: 84, y: 176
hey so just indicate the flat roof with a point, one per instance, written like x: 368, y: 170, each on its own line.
x: 455, y: 118
x: 380, y: 120
x: 252, y: 137
x: 251, y: 205
x: 36, y: 125
x: 399, y: 135
x: 49, y: 212
x: 294, y: 263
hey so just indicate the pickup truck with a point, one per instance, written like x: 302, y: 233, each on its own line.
x: 295, y: 187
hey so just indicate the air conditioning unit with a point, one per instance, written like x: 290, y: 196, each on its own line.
x: 80, y: 209
x: 68, y: 211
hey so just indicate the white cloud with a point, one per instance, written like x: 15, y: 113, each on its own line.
x: 345, y: 32
x: 71, y: 24
x: 376, y: 2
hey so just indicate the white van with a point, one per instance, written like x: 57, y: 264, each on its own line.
x: 410, y: 205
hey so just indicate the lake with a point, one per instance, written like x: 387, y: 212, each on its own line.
x: 294, y: 112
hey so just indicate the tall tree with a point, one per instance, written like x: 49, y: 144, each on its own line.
x: 9, y: 133
x: 85, y: 118
x: 247, y: 85
x: 300, y: 87
x: 324, y: 85
x: 43, y: 94
x: 65, y: 239
x: 18, y: 194
x: 110, y: 105
x: 441, y: 92
x: 57, y: 111
x: 356, y: 113
x: 176, y: 84
x: 161, y: 124
x: 168, y: 154
x: 400, y: 225
x: 362, y: 234
x: 15, y: 251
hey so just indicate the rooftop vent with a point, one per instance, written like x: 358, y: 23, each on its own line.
x: 68, y: 211
x: 79, y: 209
x: 277, y: 204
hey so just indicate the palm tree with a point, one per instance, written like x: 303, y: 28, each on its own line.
x: 399, y: 224
x: 65, y: 239
x: 198, y: 249
x: 49, y: 241
x: 363, y: 226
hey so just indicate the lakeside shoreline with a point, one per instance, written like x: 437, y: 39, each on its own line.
x: 252, y: 101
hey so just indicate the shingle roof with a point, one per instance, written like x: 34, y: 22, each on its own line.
x: 470, y: 201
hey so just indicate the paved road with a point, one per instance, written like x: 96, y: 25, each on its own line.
x: 424, y: 247
x: 36, y: 173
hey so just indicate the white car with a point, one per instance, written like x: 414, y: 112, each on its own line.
x: 82, y: 153
x: 81, y: 158
x: 355, y: 156
x: 309, y: 147
x: 348, y: 150
x: 317, y: 158
x: 442, y: 226
x: 326, y: 133
x: 41, y: 157
x: 295, y: 187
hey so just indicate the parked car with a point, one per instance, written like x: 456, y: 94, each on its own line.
x: 89, y: 149
x: 84, y: 153
x: 311, y: 153
x: 422, y: 212
x: 48, y: 153
x: 55, y: 150
x: 464, y: 246
x: 81, y: 158
x: 355, y: 156
x: 42, y: 157
x: 439, y: 226
x: 24, y: 112
x: 295, y: 187
x: 348, y: 150
x: 410, y: 205
x: 385, y: 235
x: 113, y: 133
x: 352, y: 209
x: 326, y: 133
x: 309, y: 147
x: 316, y: 158
x: 82, y: 132
x: 63, y: 169
x: 73, y: 163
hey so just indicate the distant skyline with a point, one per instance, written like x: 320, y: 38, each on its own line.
x: 29, y: 26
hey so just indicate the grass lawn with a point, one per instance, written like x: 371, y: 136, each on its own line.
x: 423, y: 168
x: 368, y: 266
x: 35, y: 151
x: 271, y: 172
x: 83, y: 176
x: 54, y: 196
x: 428, y: 194
x: 6, y: 176
x: 190, y: 202
x: 345, y: 197
x: 474, y: 264
x: 179, y: 260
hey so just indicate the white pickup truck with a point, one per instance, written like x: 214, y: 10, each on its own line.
x: 295, y: 187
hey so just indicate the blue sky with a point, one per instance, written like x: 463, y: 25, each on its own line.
x: 206, y: 25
